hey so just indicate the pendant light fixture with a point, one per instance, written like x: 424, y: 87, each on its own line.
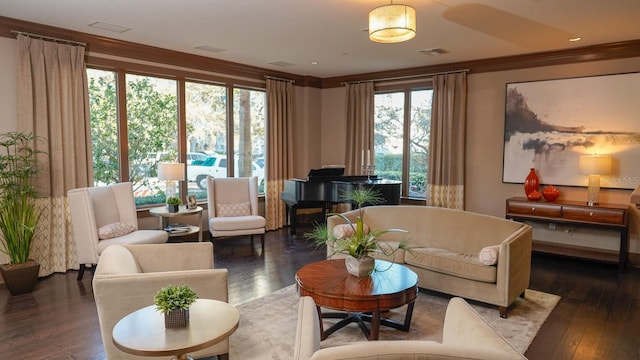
x: 392, y: 23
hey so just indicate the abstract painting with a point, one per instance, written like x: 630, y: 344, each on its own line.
x: 550, y: 123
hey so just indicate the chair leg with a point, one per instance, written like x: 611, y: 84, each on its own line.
x: 223, y: 356
x: 81, y: 272
x: 262, y: 242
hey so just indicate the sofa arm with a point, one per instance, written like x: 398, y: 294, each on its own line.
x: 308, y: 329
x: 173, y: 257
x: 463, y: 326
x: 514, y: 265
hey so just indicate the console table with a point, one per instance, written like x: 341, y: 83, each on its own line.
x: 576, y: 213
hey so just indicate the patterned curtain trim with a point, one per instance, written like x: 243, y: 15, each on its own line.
x: 446, y: 196
x: 53, y: 246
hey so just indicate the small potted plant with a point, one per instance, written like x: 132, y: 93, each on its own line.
x: 360, y: 242
x: 173, y: 204
x: 174, y: 301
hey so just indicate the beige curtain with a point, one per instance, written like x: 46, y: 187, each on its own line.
x: 53, y: 104
x: 279, y: 148
x: 445, y: 184
x: 360, y: 126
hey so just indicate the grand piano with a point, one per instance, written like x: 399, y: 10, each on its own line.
x: 324, y: 188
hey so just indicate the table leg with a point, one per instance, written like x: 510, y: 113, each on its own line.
x: 374, y: 331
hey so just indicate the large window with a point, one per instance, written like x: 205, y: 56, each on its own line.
x: 127, y: 146
x: 402, y: 127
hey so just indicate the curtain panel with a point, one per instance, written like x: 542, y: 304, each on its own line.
x: 279, y: 149
x: 445, y: 181
x: 53, y: 104
x: 360, y: 126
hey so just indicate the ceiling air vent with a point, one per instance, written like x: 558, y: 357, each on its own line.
x: 433, y: 51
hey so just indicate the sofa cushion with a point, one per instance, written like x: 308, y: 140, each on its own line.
x: 452, y: 263
x: 113, y: 230
x: 489, y: 255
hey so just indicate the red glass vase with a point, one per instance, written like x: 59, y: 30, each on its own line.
x: 550, y: 193
x: 531, y: 183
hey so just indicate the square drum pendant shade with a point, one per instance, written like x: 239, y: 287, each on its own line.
x: 392, y: 23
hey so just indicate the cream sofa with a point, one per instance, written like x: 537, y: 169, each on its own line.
x: 445, y: 247
x: 128, y: 276
x: 466, y: 335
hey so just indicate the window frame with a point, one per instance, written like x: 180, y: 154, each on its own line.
x: 181, y: 76
x: 406, y: 88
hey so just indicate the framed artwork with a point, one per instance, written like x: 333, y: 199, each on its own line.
x: 191, y: 202
x: 549, y: 124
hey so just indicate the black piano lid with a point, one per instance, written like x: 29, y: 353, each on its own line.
x: 327, y: 171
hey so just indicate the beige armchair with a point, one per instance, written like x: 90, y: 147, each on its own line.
x: 103, y: 216
x: 466, y: 335
x: 233, y: 208
x: 128, y: 276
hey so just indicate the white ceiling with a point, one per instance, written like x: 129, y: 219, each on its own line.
x: 332, y: 32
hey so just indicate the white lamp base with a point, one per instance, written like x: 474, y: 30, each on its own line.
x: 593, y: 191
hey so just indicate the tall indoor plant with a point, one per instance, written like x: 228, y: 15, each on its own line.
x: 358, y: 242
x: 19, y: 213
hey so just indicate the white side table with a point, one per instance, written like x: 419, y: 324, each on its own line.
x: 163, y: 213
x: 142, y: 332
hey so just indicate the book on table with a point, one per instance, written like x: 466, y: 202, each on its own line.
x: 178, y: 228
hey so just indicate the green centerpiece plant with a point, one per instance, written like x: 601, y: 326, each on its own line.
x: 173, y: 204
x: 359, y: 242
x: 174, y: 301
x: 19, y: 213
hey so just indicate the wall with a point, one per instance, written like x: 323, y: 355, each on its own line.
x: 485, y: 192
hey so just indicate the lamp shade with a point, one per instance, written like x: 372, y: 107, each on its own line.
x: 595, y: 164
x: 392, y: 23
x: 171, y: 171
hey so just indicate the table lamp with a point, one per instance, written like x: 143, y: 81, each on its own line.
x: 594, y: 166
x: 170, y: 173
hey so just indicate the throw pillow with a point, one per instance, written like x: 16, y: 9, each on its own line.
x: 237, y: 209
x: 113, y: 230
x: 489, y: 255
x: 345, y: 230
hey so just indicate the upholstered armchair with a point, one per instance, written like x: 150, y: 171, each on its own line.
x: 128, y: 276
x: 466, y: 335
x: 103, y: 216
x: 233, y: 208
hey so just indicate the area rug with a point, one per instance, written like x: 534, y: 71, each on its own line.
x: 267, y: 324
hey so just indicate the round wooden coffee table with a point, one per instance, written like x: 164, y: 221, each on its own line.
x: 143, y: 333
x: 359, y: 299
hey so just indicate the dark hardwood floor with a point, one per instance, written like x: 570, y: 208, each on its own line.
x: 597, y: 318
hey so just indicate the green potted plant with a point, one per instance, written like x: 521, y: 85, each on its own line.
x: 359, y: 242
x: 174, y: 301
x: 173, y: 204
x: 19, y: 213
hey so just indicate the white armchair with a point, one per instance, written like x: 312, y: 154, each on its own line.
x: 128, y: 276
x: 233, y: 208
x: 466, y: 335
x: 103, y: 216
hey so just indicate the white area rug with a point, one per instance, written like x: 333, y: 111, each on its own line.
x: 267, y: 324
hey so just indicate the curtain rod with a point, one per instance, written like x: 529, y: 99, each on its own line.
x: 407, y: 77
x: 277, y: 78
x: 50, y: 38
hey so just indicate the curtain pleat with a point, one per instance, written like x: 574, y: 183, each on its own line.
x: 360, y: 126
x: 53, y: 104
x: 445, y: 185
x: 279, y: 162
